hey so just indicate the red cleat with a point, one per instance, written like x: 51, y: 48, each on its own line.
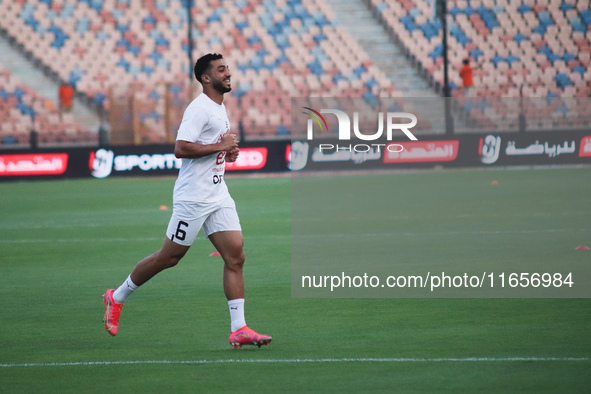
x: 112, y: 312
x: 246, y: 336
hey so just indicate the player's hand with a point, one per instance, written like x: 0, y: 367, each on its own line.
x: 232, y: 155
x: 228, y: 142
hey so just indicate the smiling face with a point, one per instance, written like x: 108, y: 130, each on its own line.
x: 218, y: 76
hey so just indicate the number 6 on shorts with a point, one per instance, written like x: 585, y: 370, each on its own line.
x: 180, y: 233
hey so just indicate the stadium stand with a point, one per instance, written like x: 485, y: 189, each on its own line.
x: 531, y: 48
x: 130, y: 57
x: 276, y: 49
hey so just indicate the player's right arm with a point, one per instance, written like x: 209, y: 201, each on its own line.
x: 192, y: 150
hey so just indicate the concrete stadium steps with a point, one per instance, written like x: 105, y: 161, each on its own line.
x: 390, y: 59
x: 27, y: 73
x: 363, y: 27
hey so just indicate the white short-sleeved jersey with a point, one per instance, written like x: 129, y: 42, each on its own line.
x: 202, y: 180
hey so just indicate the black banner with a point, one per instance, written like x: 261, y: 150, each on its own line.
x: 469, y: 150
x: 145, y: 160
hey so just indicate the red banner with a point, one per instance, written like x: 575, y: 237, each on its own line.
x: 249, y: 159
x: 585, y: 150
x: 422, y: 151
x: 33, y: 164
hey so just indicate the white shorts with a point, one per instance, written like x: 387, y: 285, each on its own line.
x: 188, y: 218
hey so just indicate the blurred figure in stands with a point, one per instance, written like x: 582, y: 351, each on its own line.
x: 466, y: 72
x: 66, y: 96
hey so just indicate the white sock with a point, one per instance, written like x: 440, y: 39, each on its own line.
x: 124, y: 291
x: 237, y: 314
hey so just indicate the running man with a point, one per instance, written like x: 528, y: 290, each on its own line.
x: 200, y: 200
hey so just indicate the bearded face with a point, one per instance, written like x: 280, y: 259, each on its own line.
x: 221, y: 85
x: 220, y: 76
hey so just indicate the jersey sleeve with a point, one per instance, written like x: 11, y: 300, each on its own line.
x: 194, y: 122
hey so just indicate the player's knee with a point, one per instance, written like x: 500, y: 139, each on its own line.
x: 236, y: 260
x: 172, y: 261
x: 168, y: 261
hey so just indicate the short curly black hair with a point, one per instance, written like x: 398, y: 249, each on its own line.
x: 204, y: 63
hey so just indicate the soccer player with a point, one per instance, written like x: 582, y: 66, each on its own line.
x: 200, y: 200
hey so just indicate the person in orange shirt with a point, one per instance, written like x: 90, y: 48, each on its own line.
x: 66, y: 96
x: 467, y: 78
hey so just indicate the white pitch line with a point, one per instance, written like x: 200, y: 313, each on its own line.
x: 123, y: 239
x: 309, y: 360
x: 75, y: 240
x: 437, y: 233
x: 336, y: 235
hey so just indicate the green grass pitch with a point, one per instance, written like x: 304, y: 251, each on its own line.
x: 63, y: 243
